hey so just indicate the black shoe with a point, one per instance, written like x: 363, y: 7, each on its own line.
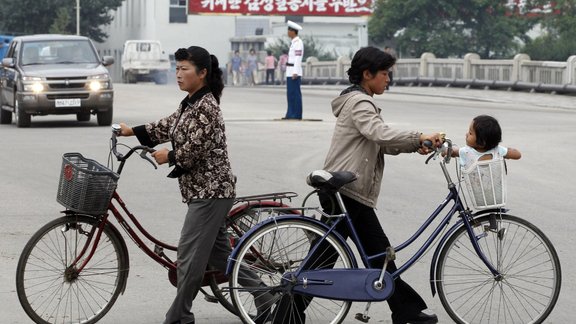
x: 420, y: 318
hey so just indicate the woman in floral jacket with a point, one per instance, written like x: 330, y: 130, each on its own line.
x: 200, y: 158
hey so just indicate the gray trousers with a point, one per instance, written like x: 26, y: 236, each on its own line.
x: 203, y: 241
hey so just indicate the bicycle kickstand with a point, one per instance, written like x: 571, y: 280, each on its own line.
x: 390, y: 256
x: 363, y: 317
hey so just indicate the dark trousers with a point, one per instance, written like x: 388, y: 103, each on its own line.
x: 270, y: 76
x: 294, y: 97
x: 405, y: 302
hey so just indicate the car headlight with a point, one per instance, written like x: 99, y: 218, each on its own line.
x: 95, y: 85
x: 35, y: 87
x: 99, y: 81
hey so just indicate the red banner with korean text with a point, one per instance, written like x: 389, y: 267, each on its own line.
x: 282, y: 7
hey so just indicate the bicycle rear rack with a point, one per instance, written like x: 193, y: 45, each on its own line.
x: 271, y: 196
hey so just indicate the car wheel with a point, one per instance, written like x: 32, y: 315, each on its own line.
x: 105, y: 117
x: 22, y: 118
x: 5, y: 115
x: 129, y: 78
x: 83, y: 117
x: 161, y: 78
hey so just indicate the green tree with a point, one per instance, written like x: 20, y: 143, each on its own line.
x: 21, y: 17
x: 311, y: 48
x: 559, y: 40
x: 61, y: 22
x: 449, y: 28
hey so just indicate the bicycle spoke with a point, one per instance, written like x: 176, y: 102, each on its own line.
x: 529, y: 281
x: 51, y: 289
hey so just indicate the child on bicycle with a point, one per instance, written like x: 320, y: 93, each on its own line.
x: 483, y: 143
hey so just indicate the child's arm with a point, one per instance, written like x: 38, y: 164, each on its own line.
x: 513, y: 154
x: 455, y: 151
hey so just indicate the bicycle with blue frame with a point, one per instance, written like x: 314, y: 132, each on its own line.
x: 488, y: 267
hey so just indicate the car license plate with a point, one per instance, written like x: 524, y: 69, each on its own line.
x: 143, y: 71
x: 68, y: 102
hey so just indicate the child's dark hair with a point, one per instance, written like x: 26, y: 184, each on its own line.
x: 488, y: 131
x: 371, y: 59
x: 204, y: 60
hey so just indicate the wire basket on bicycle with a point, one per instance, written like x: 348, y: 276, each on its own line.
x: 486, y: 183
x: 85, y: 185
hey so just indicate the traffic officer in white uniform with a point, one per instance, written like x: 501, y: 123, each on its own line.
x: 294, y: 72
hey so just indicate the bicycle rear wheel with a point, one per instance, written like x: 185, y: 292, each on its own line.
x: 237, y: 225
x: 50, y: 288
x: 526, y: 259
x: 268, y: 253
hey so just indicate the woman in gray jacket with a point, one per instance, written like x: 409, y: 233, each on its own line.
x: 361, y: 139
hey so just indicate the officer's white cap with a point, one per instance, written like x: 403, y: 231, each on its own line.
x: 293, y: 25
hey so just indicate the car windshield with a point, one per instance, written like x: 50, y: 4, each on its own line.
x: 58, y: 52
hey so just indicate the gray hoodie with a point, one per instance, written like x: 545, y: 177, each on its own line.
x: 360, y: 140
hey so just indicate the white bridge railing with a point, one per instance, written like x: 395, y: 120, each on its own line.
x: 519, y: 73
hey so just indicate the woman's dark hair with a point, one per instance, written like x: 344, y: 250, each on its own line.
x: 204, y: 60
x: 371, y: 59
x: 488, y: 131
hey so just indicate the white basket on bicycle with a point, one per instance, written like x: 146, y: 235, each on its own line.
x: 485, y: 182
x: 85, y: 185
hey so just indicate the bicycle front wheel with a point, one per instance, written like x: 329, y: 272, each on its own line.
x: 50, y: 287
x: 256, y: 284
x: 530, y: 272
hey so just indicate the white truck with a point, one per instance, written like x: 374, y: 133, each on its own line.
x: 144, y: 60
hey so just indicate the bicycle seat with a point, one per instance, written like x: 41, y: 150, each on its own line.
x: 330, y: 181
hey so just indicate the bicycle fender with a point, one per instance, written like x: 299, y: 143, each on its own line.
x: 123, y: 244
x: 449, y: 233
x: 279, y: 219
x: 125, y: 250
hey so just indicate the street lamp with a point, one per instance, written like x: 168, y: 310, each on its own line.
x: 77, y: 17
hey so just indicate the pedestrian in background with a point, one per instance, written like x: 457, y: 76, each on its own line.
x: 270, y: 63
x: 282, y: 60
x: 252, y: 67
x: 236, y: 66
x: 294, y: 72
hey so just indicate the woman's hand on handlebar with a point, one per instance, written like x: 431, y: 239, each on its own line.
x: 430, y: 141
x: 125, y: 130
x: 161, y: 155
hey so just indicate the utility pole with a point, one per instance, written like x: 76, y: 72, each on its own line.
x: 77, y: 17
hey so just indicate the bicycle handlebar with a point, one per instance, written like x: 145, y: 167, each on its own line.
x: 123, y: 157
x: 446, y: 148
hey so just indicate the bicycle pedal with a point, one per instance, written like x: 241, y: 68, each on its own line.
x: 210, y: 299
x: 362, y: 318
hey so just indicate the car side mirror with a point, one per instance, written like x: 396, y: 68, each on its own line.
x: 107, y: 60
x: 8, y: 62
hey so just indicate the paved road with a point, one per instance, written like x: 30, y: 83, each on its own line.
x: 270, y: 155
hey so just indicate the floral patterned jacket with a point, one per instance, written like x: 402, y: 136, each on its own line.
x: 200, y: 153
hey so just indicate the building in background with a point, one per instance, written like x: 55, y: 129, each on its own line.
x: 224, y: 26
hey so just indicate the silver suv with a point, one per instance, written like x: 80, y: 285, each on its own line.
x: 54, y: 74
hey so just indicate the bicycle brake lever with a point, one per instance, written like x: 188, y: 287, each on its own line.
x: 145, y: 157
